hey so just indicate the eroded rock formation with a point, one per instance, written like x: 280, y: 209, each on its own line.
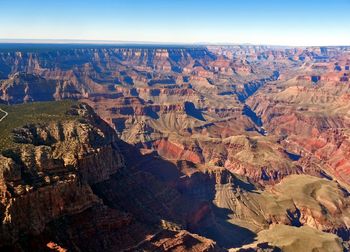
x: 190, y: 149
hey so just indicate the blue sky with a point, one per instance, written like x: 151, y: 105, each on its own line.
x: 282, y: 22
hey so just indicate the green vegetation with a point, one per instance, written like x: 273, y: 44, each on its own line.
x: 22, y: 114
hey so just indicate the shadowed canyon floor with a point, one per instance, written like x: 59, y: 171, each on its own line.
x: 122, y: 148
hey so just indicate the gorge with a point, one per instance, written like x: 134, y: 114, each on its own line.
x: 174, y: 148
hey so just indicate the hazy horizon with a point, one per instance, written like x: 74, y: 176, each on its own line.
x: 115, y: 42
x: 271, y: 22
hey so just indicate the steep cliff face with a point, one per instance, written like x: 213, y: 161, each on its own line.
x: 98, y: 65
x: 147, y: 72
x: 24, y: 87
x: 49, y: 174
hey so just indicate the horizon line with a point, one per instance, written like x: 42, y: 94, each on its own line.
x: 122, y: 42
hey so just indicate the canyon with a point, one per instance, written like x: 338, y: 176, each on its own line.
x: 174, y: 148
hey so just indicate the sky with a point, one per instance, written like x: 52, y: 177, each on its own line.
x: 274, y: 22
